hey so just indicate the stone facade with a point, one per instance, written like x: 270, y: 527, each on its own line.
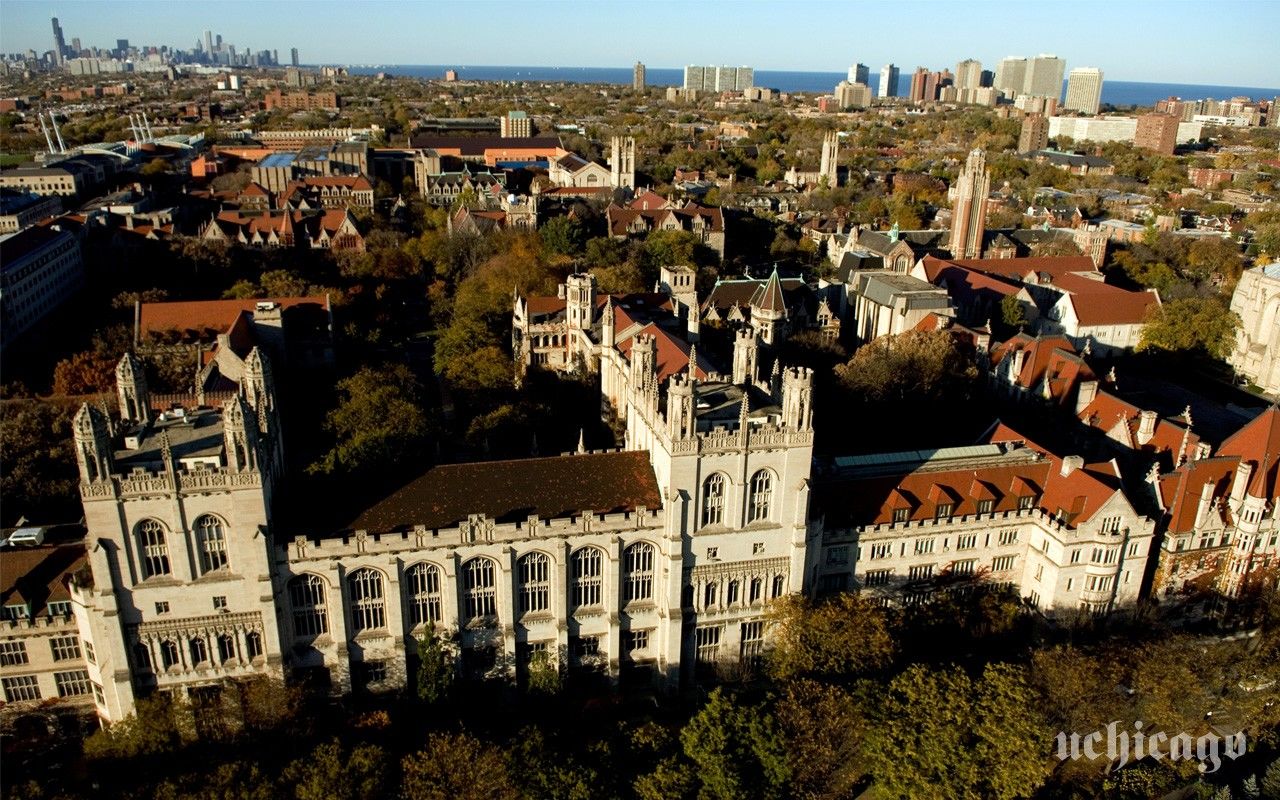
x: 1257, y: 351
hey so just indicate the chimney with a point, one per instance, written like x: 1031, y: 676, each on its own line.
x: 1146, y: 426
x: 1240, y: 484
x: 1206, y: 502
x: 1085, y: 395
x: 1070, y: 464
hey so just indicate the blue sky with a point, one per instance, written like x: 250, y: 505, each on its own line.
x: 1228, y: 42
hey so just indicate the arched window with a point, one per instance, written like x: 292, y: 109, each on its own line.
x: 778, y: 583
x: 199, y: 650
x: 253, y: 645
x: 424, y: 593
x: 757, y: 589
x: 226, y: 648
x: 761, y: 496
x: 480, y: 576
x: 153, y: 548
x: 731, y: 597
x: 306, y: 596
x: 588, y: 572
x: 535, y: 583
x: 168, y: 654
x: 142, y: 656
x: 211, y: 543
x: 638, y: 561
x: 713, y: 500
x: 368, y: 608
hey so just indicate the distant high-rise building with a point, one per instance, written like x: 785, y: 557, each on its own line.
x: 293, y: 56
x: 719, y: 79
x: 1084, y: 90
x: 1011, y: 74
x: 59, y: 44
x: 969, y: 74
x: 1157, y: 132
x: 918, y: 79
x: 75, y: 45
x: 969, y: 207
x: 515, y: 125
x: 852, y: 95
x: 986, y: 79
x: 1035, y: 133
x: 1044, y: 76
x: 208, y: 43
x: 122, y: 46
x: 859, y: 73
x: 888, y: 81
x: 637, y: 77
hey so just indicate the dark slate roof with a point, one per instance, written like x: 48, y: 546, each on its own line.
x: 919, y: 241
x: 511, y: 491
x: 769, y: 298
x: 38, y: 575
x: 476, y: 145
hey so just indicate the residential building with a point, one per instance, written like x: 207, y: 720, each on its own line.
x: 1157, y: 132
x: 648, y: 212
x: 888, y: 81
x: 900, y: 527
x: 969, y: 74
x: 1044, y: 76
x: 1035, y: 133
x: 918, y: 92
x: 1011, y: 76
x: 43, y: 662
x: 1117, y: 129
x: 637, y: 77
x: 18, y: 209
x: 860, y: 73
x: 969, y: 207
x: 718, y: 79
x: 40, y: 268
x: 852, y: 95
x: 293, y: 56
x: 301, y: 101
x: 1084, y: 90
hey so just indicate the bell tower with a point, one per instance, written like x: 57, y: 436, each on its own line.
x: 746, y: 353
x: 622, y: 162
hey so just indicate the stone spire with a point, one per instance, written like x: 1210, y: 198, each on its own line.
x: 93, y: 444
x: 131, y: 389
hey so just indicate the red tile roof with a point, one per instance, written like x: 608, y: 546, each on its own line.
x: 671, y: 354
x: 1258, y: 443
x: 1180, y: 491
x: 208, y: 315
x: 1098, y: 303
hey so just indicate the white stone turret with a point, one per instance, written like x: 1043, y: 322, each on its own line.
x: 580, y: 300
x: 131, y: 389
x: 240, y: 435
x: 607, y: 323
x: 797, y: 398
x: 93, y: 444
x: 746, y: 354
x: 680, y: 406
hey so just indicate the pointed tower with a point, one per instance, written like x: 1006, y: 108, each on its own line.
x: 769, y: 310
x: 93, y: 444
x: 745, y: 355
x: 797, y: 398
x: 607, y: 323
x: 622, y: 162
x: 259, y: 390
x: 830, y: 156
x: 131, y: 389
x: 680, y: 405
x: 969, y: 207
x: 240, y: 435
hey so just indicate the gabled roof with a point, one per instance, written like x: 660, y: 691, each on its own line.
x: 512, y: 491
x: 210, y: 315
x: 37, y: 576
x: 1181, y: 490
x: 1098, y: 303
x: 671, y: 353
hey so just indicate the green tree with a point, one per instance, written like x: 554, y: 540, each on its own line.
x: 1012, y: 313
x: 457, y: 766
x: 544, y: 677
x: 330, y: 772
x: 824, y: 728
x: 563, y: 236
x: 737, y: 750
x: 152, y: 729
x: 379, y: 422
x: 436, y: 671
x: 840, y: 637
x: 1191, y: 325
x: 915, y: 365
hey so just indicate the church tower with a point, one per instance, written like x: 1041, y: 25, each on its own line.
x: 769, y: 311
x: 622, y: 162
x: 969, y: 207
x: 131, y: 390
x: 830, y: 157
x: 580, y: 300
